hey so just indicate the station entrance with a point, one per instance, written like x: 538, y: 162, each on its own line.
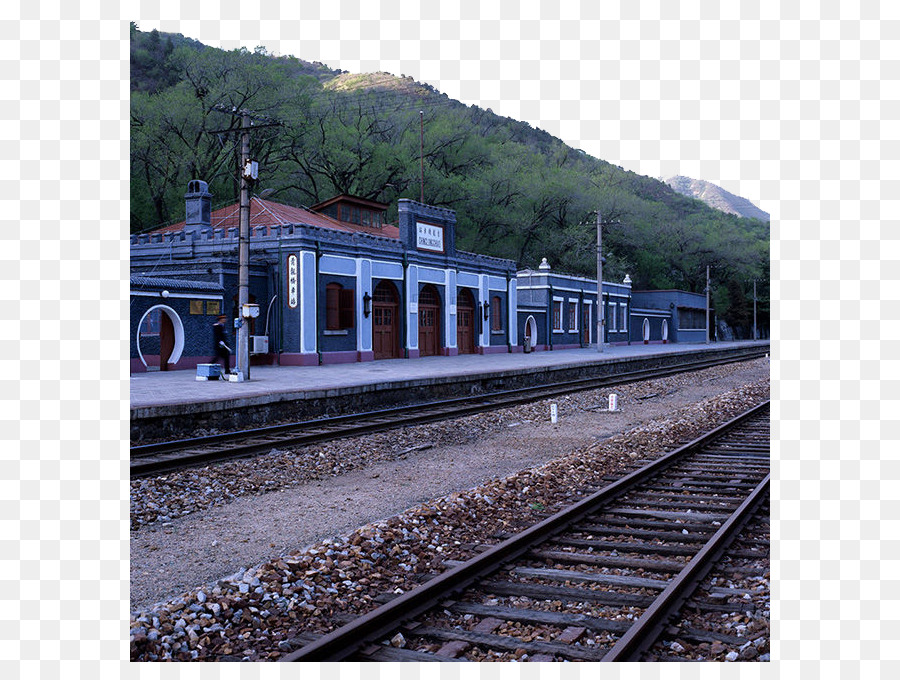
x: 429, y: 321
x: 465, y: 322
x: 385, y: 322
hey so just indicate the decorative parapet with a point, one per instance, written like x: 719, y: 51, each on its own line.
x: 502, y: 264
x: 199, y: 241
x: 530, y: 278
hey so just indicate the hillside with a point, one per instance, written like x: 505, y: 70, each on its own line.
x: 519, y: 192
x: 716, y: 197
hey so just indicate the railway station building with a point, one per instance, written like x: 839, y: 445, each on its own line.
x: 559, y: 311
x: 340, y: 285
x: 336, y: 283
x: 662, y: 316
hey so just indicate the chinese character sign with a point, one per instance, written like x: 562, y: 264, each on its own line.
x: 429, y: 237
x: 292, y: 281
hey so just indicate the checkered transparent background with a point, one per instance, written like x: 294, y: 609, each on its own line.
x: 795, y: 108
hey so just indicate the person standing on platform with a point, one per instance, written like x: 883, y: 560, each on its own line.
x: 220, y: 344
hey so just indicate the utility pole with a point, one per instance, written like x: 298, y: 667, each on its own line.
x: 422, y: 156
x: 754, y: 309
x: 243, y: 345
x: 600, y: 314
x: 249, y: 173
x: 707, y: 304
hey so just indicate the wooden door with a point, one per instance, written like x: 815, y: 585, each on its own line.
x: 166, y: 340
x: 585, y: 325
x: 429, y: 321
x: 465, y: 322
x: 385, y: 322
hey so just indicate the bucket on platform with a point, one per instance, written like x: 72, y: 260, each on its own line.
x: 208, y: 371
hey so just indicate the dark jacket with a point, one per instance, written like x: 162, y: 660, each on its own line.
x: 219, y: 336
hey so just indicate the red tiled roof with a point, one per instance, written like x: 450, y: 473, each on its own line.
x: 265, y: 213
x: 351, y: 200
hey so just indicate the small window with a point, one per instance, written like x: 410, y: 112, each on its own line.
x: 691, y: 319
x: 340, y: 307
x: 366, y: 218
x: 150, y: 324
x: 557, y: 316
x: 573, y: 316
x: 612, y: 316
x: 496, y: 314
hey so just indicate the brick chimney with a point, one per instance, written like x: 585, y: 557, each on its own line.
x: 197, y: 205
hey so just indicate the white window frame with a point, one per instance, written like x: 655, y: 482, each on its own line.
x: 552, y: 315
x: 573, y: 318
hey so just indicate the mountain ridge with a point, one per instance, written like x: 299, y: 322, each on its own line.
x: 716, y: 197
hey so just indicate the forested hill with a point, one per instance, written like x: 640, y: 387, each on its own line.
x: 518, y: 192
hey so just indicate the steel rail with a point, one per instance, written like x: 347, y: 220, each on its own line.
x: 345, y: 641
x: 334, y: 427
x: 642, y: 635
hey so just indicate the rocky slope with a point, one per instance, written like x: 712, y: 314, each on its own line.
x: 716, y: 197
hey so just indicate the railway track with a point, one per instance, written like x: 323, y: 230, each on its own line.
x: 598, y: 581
x: 160, y: 458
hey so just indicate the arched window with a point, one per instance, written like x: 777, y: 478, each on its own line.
x: 340, y: 307
x: 151, y: 322
x: 496, y: 313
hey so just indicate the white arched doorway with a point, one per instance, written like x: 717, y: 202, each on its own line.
x: 177, y: 331
x: 531, y: 335
x: 645, y: 330
x: 665, y: 330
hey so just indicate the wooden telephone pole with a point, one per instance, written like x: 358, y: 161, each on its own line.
x: 243, y: 345
x: 600, y: 311
x: 249, y: 173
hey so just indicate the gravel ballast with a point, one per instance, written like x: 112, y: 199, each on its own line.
x: 243, y: 557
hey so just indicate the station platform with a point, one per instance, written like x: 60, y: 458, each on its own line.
x: 179, y: 395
